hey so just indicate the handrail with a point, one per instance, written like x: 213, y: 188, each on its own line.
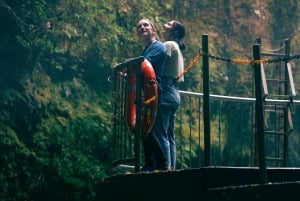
x: 236, y: 98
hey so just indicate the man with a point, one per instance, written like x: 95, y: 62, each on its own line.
x: 155, y: 53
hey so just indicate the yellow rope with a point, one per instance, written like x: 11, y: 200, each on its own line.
x: 147, y: 102
x: 236, y: 61
x: 247, y: 61
x: 191, y: 64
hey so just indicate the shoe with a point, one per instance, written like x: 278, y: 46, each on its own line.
x: 164, y: 168
x: 147, y: 168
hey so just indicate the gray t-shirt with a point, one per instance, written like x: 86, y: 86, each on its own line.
x: 174, y: 61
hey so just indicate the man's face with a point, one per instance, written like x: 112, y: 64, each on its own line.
x: 144, y: 29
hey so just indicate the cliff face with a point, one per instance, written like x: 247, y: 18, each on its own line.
x: 233, y: 27
x: 55, y: 101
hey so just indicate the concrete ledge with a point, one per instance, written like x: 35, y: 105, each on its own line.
x: 209, y: 183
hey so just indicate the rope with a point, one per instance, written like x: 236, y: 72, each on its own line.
x: 249, y: 61
x: 191, y: 64
x: 236, y: 61
x: 148, y: 101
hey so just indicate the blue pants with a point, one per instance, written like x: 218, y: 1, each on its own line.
x: 163, y: 130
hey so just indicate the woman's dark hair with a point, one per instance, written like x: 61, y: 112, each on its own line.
x: 177, y: 34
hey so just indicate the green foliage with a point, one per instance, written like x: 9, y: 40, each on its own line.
x: 20, y: 169
x: 55, y: 100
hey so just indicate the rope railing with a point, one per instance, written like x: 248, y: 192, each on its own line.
x: 236, y: 61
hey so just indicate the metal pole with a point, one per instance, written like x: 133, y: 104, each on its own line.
x: 115, y: 113
x: 259, y: 114
x: 286, y: 115
x: 138, y: 135
x: 206, y: 111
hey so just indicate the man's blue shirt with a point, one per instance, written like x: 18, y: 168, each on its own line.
x: 155, y: 53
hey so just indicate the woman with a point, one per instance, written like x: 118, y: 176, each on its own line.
x: 169, y: 97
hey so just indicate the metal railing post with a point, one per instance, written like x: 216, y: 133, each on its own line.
x: 206, y: 110
x: 286, y: 92
x: 138, y: 136
x: 259, y: 114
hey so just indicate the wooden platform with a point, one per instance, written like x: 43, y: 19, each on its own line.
x: 210, y: 183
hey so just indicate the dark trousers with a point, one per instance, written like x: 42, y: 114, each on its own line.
x: 154, y: 157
